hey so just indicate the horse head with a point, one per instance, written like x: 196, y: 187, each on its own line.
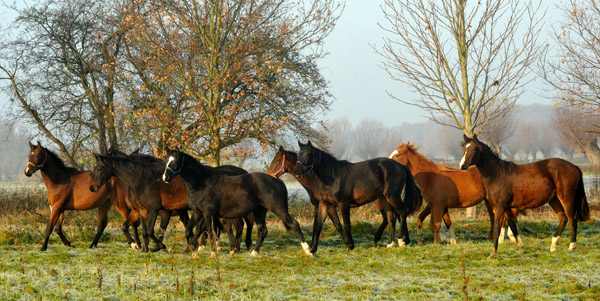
x: 36, y: 159
x: 100, y: 173
x: 284, y: 161
x: 400, y: 154
x: 472, y: 149
x: 174, y: 165
x: 308, y: 157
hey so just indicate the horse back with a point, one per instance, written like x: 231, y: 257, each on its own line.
x: 367, y: 180
x: 535, y: 183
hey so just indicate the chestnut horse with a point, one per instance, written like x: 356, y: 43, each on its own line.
x: 443, y: 187
x: 285, y: 162
x: 344, y: 184
x: 508, y: 185
x: 67, y: 189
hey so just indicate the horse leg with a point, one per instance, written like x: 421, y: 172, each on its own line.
x: 192, y: 240
x: 210, y: 227
x: 102, y: 222
x: 249, y: 225
x: 236, y: 245
x: 183, y: 217
x: 422, y: 216
x: 490, y: 210
x: 54, y: 216
x: 562, y: 221
x: 449, y: 236
x: 60, y: 233
x: 345, y: 210
x: 321, y: 211
x: 145, y: 236
x: 335, y: 219
x: 133, y: 220
x: 292, y: 224
x: 259, y: 217
x: 165, y: 218
x: 150, y: 221
x: 498, y: 218
x: 512, y: 223
x: 390, y: 219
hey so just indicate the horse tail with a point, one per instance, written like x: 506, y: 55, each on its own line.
x: 580, y: 203
x: 413, y: 197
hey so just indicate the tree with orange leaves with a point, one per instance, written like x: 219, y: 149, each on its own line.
x: 207, y: 75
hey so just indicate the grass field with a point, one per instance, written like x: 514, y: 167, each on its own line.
x: 282, y: 271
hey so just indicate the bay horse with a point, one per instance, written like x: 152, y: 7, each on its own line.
x: 67, y: 189
x: 228, y: 225
x: 344, y: 184
x: 285, y: 162
x: 212, y: 195
x: 443, y: 188
x: 508, y: 185
x: 152, y: 196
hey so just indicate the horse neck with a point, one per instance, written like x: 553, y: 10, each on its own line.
x: 124, y: 171
x: 491, y: 166
x: 419, y: 163
x: 53, y: 172
x: 195, y: 172
x: 331, y: 167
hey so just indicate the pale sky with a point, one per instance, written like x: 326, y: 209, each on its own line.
x: 353, y: 69
x: 358, y: 82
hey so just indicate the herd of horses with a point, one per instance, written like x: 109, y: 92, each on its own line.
x: 224, y: 199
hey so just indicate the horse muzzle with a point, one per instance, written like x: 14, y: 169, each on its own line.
x: 29, y: 171
x: 167, y: 176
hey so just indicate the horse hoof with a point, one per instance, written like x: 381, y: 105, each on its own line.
x: 453, y: 241
x: 194, y: 255
x: 254, y: 253
x: 492, y: 255
x: 201, y: 248
x: 213, y: 254
x: 168, y: 250
x: 134, y: 246
x: 390, y: 245
x: 231, y: 252
x: 572, y: 246
x: 401, y: 243
x: 552, y: 248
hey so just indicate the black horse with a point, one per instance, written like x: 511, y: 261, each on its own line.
x: 166, y: 192
x: 346, y: 185
x: 213, y: 195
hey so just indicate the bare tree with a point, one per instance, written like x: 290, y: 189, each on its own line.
x: 60, y: 68
x: 577, y: 127
x: 574, y: 66
x: 469, y: 61
x: 369, y: 135
x: 339, y: 137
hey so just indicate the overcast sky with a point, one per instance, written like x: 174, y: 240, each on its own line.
x: 357, y: 81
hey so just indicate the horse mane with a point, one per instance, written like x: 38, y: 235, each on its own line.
x: 197, y: 167
x: 136, y: 167
x: 504, y: 164
x: 331, y: 166
x: 59, y: 162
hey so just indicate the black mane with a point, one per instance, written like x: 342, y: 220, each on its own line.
x: 59, y: 162
x: 329, y: 165
x: 197, y: 168
x: 506, y: 165
x: 135, y: 167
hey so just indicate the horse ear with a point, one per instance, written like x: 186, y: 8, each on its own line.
x: 39, y: 145
x: 281, y: 150
x: 475, y: 138
x: 31, y: 145
x: 300, y: 144
x: 467, y: 139
x: 309, y: 144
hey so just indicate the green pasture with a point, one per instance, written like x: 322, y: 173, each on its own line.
x: 282, y: 270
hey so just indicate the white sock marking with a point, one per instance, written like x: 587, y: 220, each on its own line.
x: 572, y: 246
x: 401, y: 243
x: 254, y: 253
x: 554, y: 241
x: 452, y: 235
x: 501, y: 236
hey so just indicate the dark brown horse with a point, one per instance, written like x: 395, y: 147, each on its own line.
x: 443, y: 187
x: 508, y: 185
x: 67, y: 189
x: 285, y: 162
x: 344, y: 184
x: 213, y: 194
